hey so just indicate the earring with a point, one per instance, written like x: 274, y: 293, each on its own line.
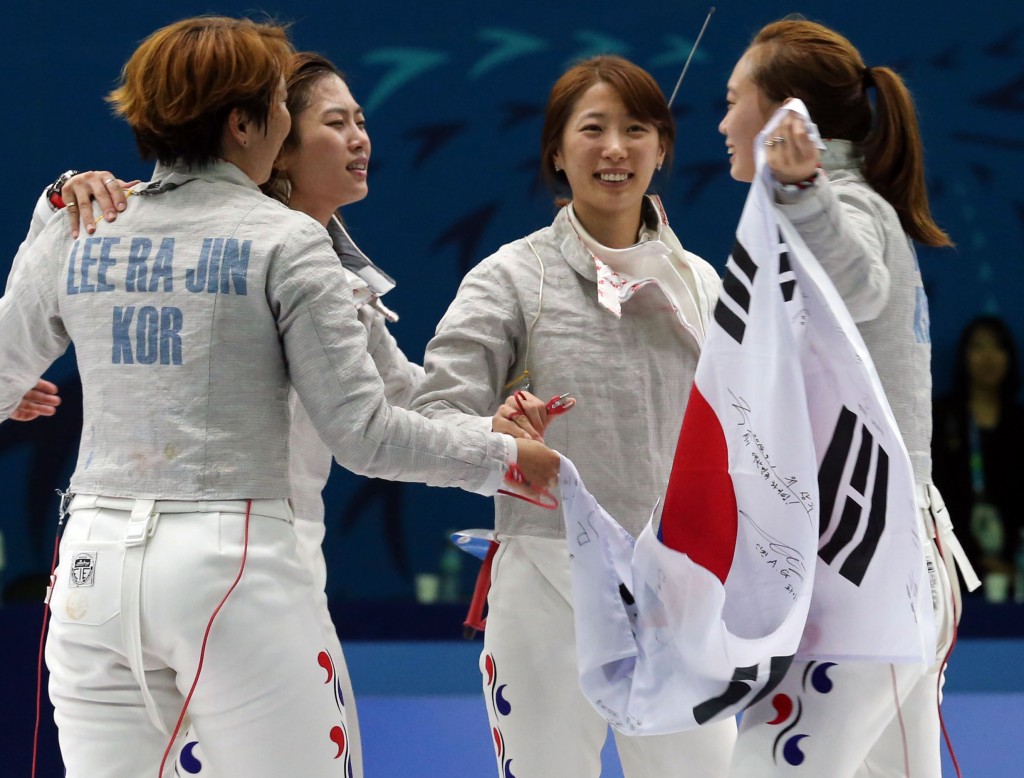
x: 659, y: 167
x: 557, y: 169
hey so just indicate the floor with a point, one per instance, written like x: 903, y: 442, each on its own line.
x: 447, y: 736
x: 422, y: 715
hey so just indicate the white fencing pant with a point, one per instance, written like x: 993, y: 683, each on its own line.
x: 541, y: 724
x: 135, y: 588
x: 309, y: 535
x: 859, y: 719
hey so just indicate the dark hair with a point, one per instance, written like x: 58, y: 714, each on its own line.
x: 799, y: 58
x: 635, y: 86
x: 180, y: 85
x: 307, y: 70
x: 1004, y: 336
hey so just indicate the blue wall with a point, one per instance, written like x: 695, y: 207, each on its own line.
x: 454, y: 93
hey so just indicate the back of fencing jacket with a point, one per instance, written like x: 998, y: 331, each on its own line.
x: 191, y: 316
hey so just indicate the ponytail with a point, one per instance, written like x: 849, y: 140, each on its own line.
x: 894, y: 158
x: 798, y: 58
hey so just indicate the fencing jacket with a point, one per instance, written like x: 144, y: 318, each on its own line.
x: 191, y: 317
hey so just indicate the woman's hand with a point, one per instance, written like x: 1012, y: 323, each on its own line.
x: 790, y: 153
x: 101, y: 186
x: 524, y: 415
x: 538, y: 463
x: 41, y: 400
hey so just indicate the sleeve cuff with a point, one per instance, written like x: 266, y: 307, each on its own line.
x: 494, y: 481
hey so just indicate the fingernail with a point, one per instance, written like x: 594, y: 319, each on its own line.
x: 90, y: 229
x: 111, y: 216
x: 122, y: 206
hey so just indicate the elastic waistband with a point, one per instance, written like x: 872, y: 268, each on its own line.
x: 271, y: 509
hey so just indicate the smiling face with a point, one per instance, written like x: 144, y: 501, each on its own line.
x: 608, y: 155
x: 328, y: 167
x: 745, y: 117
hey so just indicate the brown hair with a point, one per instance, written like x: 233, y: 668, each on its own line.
x: 307, y: 70
x: 799, y: 58
x: 635, y: 86
x: 183, y: 81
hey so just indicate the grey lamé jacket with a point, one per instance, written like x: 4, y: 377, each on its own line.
x: 309, y: 460
x: 631, y: 375
x: 191, y: 316
x: 857, y: 237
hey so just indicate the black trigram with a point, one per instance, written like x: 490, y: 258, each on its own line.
x: 741, y: 685
x: 787, y: 281
x: 852, y: 517
x: 734, y: 289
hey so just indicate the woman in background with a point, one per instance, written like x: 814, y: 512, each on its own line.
x: 976, y: 453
